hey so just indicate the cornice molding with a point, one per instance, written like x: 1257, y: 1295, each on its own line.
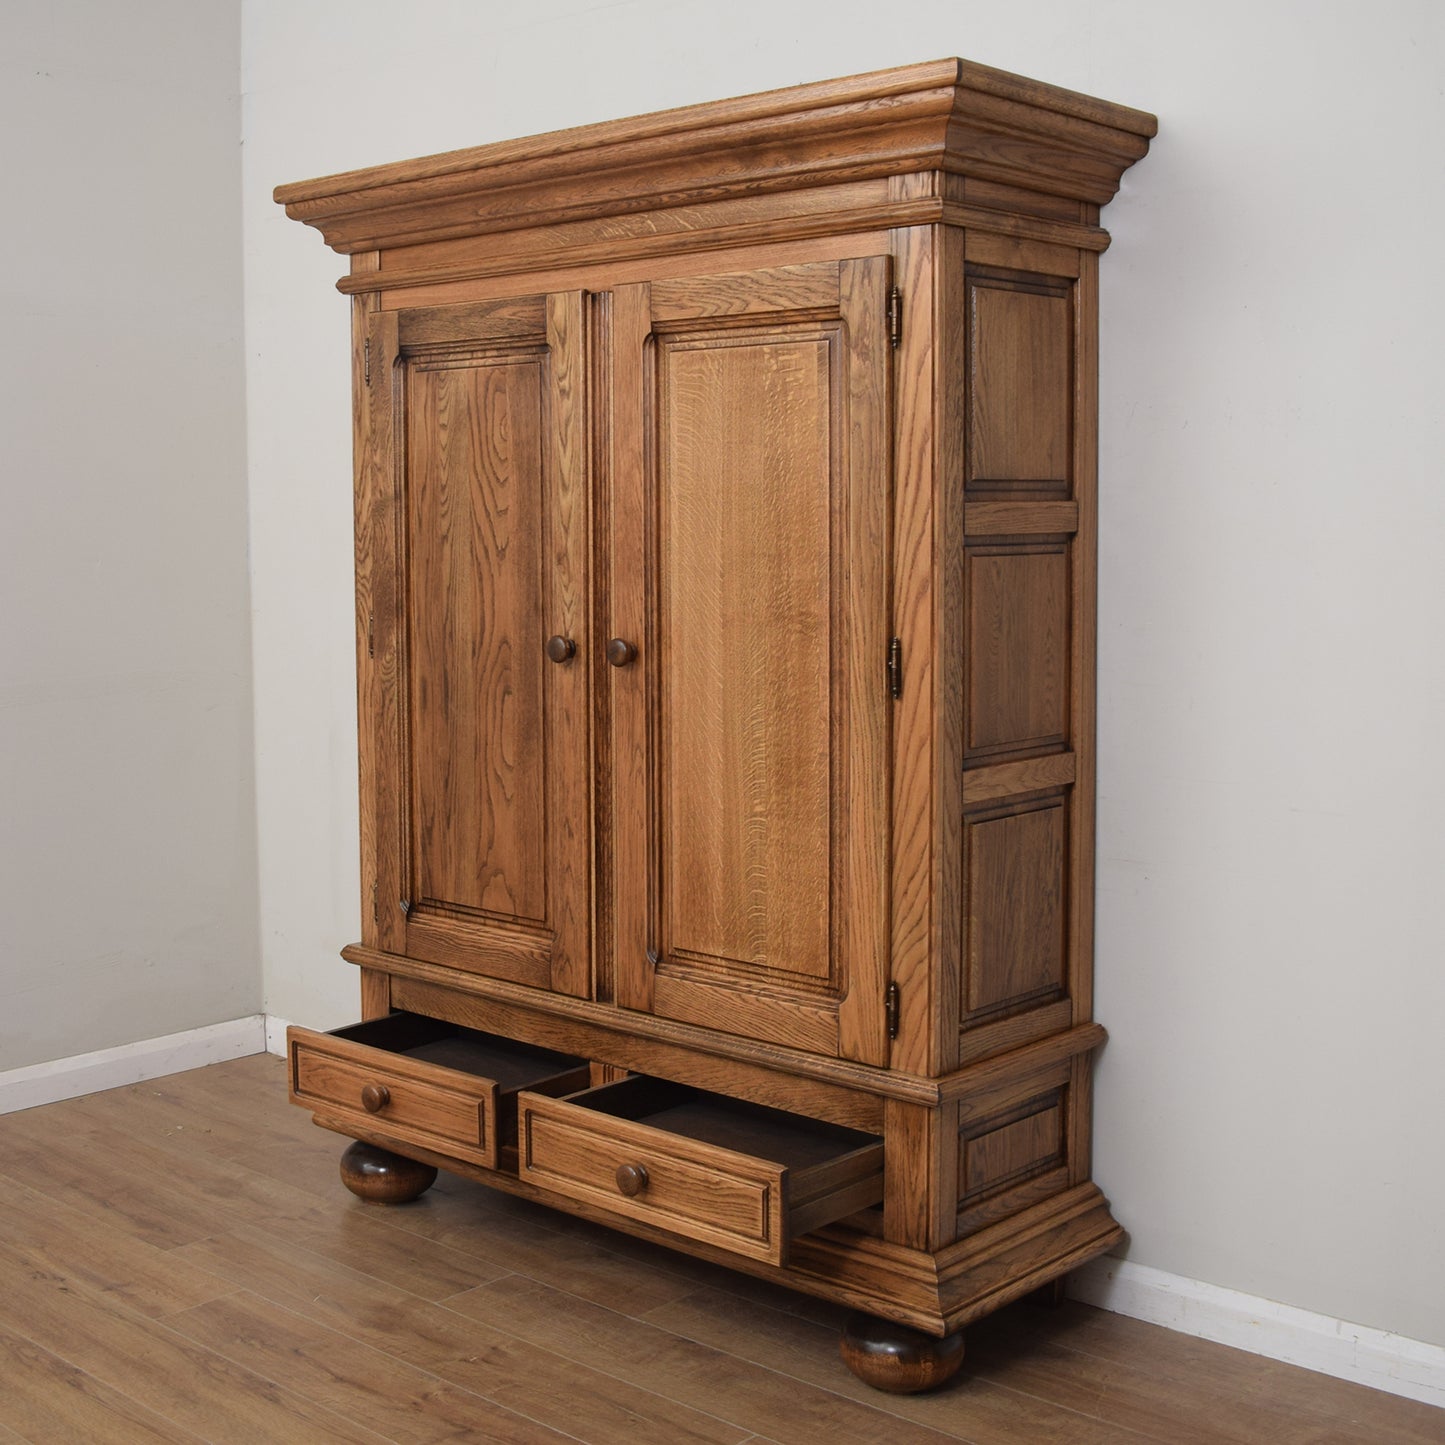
x: 947, y: 116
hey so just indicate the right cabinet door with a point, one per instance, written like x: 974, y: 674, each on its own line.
x: 748, y: 595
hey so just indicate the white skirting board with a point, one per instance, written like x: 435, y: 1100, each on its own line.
x: 130, y: 1063
x: 1281, y: 1332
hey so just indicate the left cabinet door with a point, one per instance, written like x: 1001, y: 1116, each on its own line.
x: 472, y: 544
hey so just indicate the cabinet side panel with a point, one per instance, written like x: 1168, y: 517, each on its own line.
x: 1027, y: 647
x: 474, y: 514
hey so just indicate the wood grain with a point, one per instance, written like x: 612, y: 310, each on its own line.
x: 368, y: 497
x: 945, y: 115
x: 630, y: 580
x: 567, y: 689
x: 916, y: 585
x: 760, y: 770
x: 862, y: 903
x: 1017, y: 672
x: 1083, y: 644
x: 747, y: 487
x: 1015, y: 875
x: 1020, y: 421
x: 744, y: 1179
x: 480, y: 447
x: 474, y: 521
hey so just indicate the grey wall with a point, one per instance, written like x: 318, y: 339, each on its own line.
x: 127, y: 835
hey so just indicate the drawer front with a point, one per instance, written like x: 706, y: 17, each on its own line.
x: 731, y: 1175
x: 706, y: 1193
x: 441, y: 1109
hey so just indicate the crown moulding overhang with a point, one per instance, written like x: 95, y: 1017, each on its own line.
x: 948, y: 116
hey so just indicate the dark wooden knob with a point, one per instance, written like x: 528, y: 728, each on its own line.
x: 375, y: 1097
x: 620, y: 652
x: 631, y: 1179
x: 561, y: 649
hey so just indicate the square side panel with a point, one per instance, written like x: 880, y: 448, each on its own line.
x: 1014, y: 924
x: 1016, y: 659
x: 1013, y: 1159
x: 1020, y: 386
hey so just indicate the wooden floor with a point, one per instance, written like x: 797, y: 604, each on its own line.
x: 178, y: 1261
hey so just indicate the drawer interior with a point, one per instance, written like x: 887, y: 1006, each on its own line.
x: 791, y: 1140
x: 510, y: 1065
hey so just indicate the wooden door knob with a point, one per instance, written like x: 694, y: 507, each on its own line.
x: 375, y: 1097
x: 561, y: 649
x: 632, y: 1179
x: 620, y: 652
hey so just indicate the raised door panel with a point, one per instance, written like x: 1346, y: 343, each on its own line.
x: 750, y: 556
x: 481, y: 763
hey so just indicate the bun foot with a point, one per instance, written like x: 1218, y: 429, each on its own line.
x: 897, y: 1359
x: 381, y: 1177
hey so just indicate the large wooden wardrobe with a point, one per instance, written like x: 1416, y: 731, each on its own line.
x: 725, y: 576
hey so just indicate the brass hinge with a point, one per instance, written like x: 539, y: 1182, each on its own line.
x: 895, y: 317
x: 895, y: 667
x: 366, y: 360
x: 371, y: 634
x: 373, y: 902
x: 890, y: 1010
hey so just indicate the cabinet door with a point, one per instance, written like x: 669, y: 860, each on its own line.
x: 749, y: 731
x: 475, y: 783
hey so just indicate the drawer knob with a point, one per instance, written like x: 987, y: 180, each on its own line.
x: 375, y: 1097
x: 620, y: 652
x: 631, y: 1179
x: 561, y: 649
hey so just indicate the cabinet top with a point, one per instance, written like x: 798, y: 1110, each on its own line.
x: 940, y: 118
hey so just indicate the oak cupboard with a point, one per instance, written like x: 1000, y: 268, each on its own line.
x: 725, y: 496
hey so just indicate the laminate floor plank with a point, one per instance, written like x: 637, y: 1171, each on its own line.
x: 156, y: 1368
x: 402, y: 1402
x: 51, y: 1400
x: 54, y: 1236
x: 179, y: 1261
x: 793, y: 1412
x: 1235, y: 1374
x: 490, y: 1360
x: 129, y: 1183
x: 360, y: 1239
x: 1133, y: 1396
x: 969, y: 1406
x: 169, y: 1110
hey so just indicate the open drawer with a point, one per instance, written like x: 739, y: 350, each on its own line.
x: 417, y: 1079
x: 731, y: 1174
